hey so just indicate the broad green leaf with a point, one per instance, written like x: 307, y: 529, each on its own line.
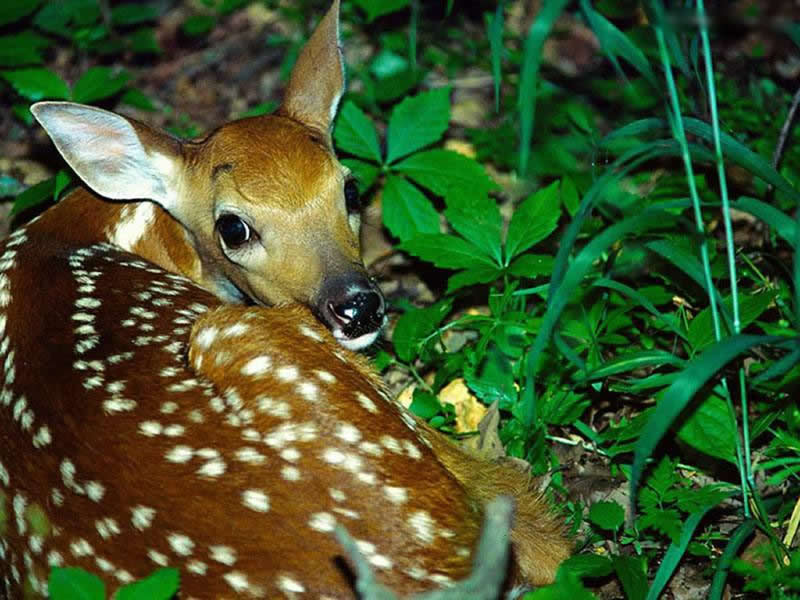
x: 161, y: 585
x: 701, y: 332
x: 680, y: 393
x: 533, y: 220
x: 37, y: 84
x: 14, y: 10
x: 143, y: 41
x: 443, y: 170
x: 378, y: 8
x: 133, y: 13
x: 607, y: 515
x: 58, y: 17
x: 33, y: 196
x: 531, y: 265
x: 477, y: 218
x: 493, y: 379
x: 414, y: 326
x: 424, y: 404
x: 632, y: 573
x: 198, y: 25
x: 418, y: 121
x: 137, y: 99
x: 365, y: 173
x: 406, y: 210
x: 62, y: 180
x: 569, y: 196
x: 98, y: 83
x: 711, y: 429
x: 75, y: 584
x: 588, y: 565
x: 446, y: 251
x: 355, y: 133
x: 473, y: 276
x: 22, y: 49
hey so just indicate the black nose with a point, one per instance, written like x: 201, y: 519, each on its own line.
x: 361, y: 311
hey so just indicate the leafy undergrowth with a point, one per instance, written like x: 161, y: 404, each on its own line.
x: 598, y: 257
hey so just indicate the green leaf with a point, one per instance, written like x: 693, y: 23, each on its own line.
x: 198, y: 25
x: 22, y: 49
x: 33, y: 196
x: 701, y: 333
x: 588, y: 565
x: 355, y: 133
x: 75, y: 584
x: 443, y: 170
x: 632, y: 361
x: 62, y: 180
x: 533, y: 220
x: 711, y: 429
x: 137, y: 99
x: 143, y: 41
x: 681, y: 392
x: 57, y: 17
x: 133, y: 13
x: 531, y: 265
x: 606, y: 515
x: 446, y: 251
x: 632, y: 572
x: 674, y: 553
x: 378, y: 8
x: 37, y: 84
x: 784, y: 225
x: 14, y: 10
x: 569, y: 196
x: 493, y: 379
x: 616, y: 44
x: 478, y: 219
x: 416, y: 325
x: 365, y: 173
x: 160, y: 585
x: 264, y: 108
x: 406, y: 210
x: 473, y: 276
x: 418, y: 121
x: 99, y: 83
x: 529, y: 74
x: 424, y: 404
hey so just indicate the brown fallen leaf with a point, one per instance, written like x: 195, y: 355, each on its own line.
x: 469, y: 411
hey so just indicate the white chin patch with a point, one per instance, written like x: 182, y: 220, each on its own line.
x: 358, y: 343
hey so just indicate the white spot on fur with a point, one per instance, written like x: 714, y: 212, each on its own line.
x: 255, y: 500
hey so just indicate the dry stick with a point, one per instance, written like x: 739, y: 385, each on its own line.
x: 785, y: 130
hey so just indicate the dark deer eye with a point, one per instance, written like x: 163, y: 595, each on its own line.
x: 233, y: 231
x: 352, y: 198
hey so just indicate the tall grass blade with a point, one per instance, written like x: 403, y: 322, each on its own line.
x: 531, y: 60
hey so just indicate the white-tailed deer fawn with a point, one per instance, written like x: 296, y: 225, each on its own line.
x: 145, y: 423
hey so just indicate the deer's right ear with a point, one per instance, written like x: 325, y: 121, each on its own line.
x: 317, y: 81
x: 116, y: 157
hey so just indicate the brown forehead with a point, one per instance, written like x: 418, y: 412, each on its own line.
x: 275, y: 159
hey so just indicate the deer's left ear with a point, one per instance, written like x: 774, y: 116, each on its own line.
x: 317, y: 81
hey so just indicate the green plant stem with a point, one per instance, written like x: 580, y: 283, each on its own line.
x: 680, y: 136
x: 742, y: 453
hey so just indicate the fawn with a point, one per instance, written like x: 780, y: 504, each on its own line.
x: 145, y: 421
